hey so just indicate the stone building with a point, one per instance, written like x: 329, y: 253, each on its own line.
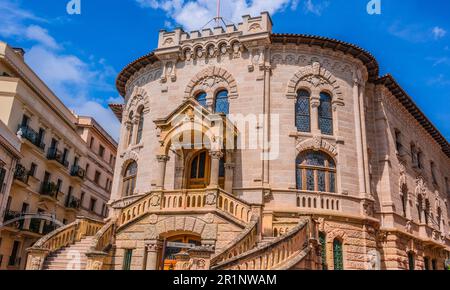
x: 65, y: 167
x: 245, y: 149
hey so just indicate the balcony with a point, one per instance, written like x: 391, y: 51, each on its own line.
x: 56, y: 155
x: 49, y: 190
x: 10, y: 215
x: 78, y: 172
x: 32, y: 136
x: 73, y: 203
x: 21, y: 175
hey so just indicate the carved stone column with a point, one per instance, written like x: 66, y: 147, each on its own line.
x: 153, y: 249
x: 215, y: 164
x: 315, y: 103
x: 162, y: 164
x: 358, y: 135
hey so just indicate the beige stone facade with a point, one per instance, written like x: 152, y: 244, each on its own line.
x: 61, y: 173
x: 310, y: 161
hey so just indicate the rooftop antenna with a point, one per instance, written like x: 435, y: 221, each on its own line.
x: 218, y: 20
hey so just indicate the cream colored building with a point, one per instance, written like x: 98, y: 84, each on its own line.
x: 245, y: 149
x: 66, y: 163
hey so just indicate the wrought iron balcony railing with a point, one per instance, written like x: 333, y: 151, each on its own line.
x: 21, y: 173
x: 58, y: 156
x: 77, y: 171
x: 49, y: 189
x: 73, y: 203
x: 10, y: 215
x: 48, y: 228
x: 32, y: 136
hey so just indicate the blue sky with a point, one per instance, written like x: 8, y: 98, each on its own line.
x: 79, y: 56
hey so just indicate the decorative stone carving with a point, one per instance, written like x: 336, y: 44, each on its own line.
x: 144, y: 76
x: 317, y: 76
x: 153, y: 219
x: 316, y: 143
x: 211, y: 198
x: 210, y: 79
x: 36, y: 263
x: 155, y: 200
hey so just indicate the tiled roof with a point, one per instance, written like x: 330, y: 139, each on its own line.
x: 117, y: 110
x: 389, y: 82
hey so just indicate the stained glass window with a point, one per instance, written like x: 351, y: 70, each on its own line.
x: 323, y: 243
x: 140, y: 126
x: 325, y: 114
x: 310, y: 179
x: 316, y: 171
x: 303, y: 112
x: 201, y: 98
x: 222, y: 104
x: 337, y: 255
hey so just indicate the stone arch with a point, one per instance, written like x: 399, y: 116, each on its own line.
x: 183, y: 224
x: 210, y: 80
x: 317, y: 144
x: 317, y: 76
x: 129, y: 157
x: 138, y: 98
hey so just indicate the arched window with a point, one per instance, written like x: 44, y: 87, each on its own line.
x: 131, y: 129
x: 338, y: 255
x: 316, y: 171
x: 201, y: 98
x: 413, y: 155
x: 419, y: 206
x: 325, y: 114
x: 411, y: 261
x: 303, y: 111
x: 404, y: 197
x: 129, y: 179
x: 323, y: 244
x: 439, y: 218
x: 222, y: 105
x: 419, y: 159
x: 427, y: 210
x: 140, y: 125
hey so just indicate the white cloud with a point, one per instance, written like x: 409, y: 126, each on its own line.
x: 193, y: 15
x: 315, y: 7
x: 39, y: 34
x: 438, y: 32
x: 72, y: 79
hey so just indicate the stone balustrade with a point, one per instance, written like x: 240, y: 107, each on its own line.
x: 199, y: 200
x: 244, y: 242
x: 82, y: 227
x: 274, y: 254
x: 313, y: 201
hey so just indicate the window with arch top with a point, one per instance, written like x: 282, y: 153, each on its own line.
x: 222, y: 105
x: 140, y: 125
x: 315, y: 171
x: 325, y: 114
x: 131, y: 129
x: 201, y: 98
x: 303, y: 111
x: 338, y: 255
x: 129, y: 179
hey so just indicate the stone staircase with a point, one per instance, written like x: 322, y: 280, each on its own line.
x: 72, y: 257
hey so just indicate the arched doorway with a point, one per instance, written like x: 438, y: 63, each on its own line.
x: 174, y: 245
x: 199, y: 170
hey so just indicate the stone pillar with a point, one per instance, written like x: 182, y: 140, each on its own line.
x: 36, y: 258
x: 215, y: 164
x: 153, y: 249
x: 162, y: 163
x: 95, y: 260
x: 364, y: 139
x: 315, y: 103
x: 358, y: 135
x: 266, y: 132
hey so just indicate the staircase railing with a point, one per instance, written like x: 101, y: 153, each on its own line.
x: 272, y: 255
x: 104, y: 237
x: 60, y: 238
x: 244, y: 242
x: 167, y: 201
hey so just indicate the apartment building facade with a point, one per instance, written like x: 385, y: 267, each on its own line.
x: 61, y: 174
